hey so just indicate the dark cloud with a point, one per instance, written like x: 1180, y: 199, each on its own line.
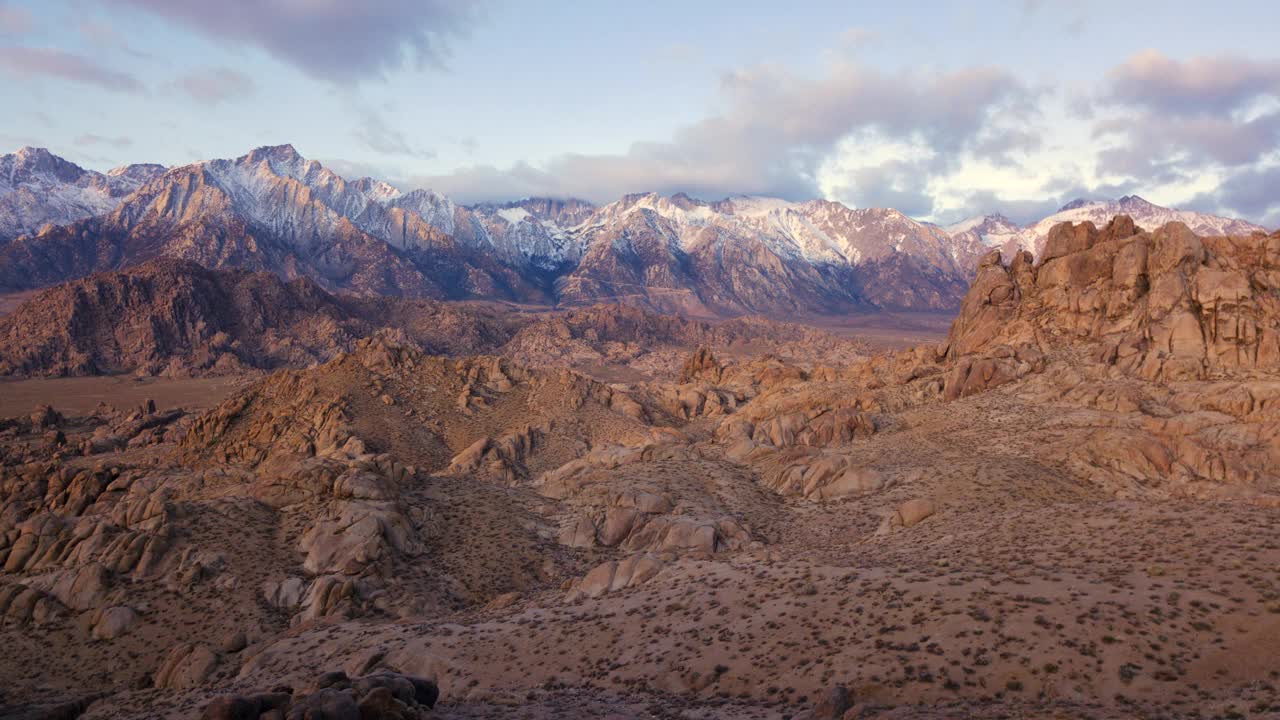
x: 1002, y: 145
x: 773, y: 134
x: 48, y: 62
x: 1249, y: 193
x: 1171, y: 120
x: 343, y: 41
x: 212, y: 86
x: 1155, y: 146
x: 1048, y: 199
x: 987, y: 202
x: 1199, y: 86
x: 899, y: 184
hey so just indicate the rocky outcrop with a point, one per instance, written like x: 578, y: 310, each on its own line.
x: 333, y: 695
x: 502, y: 458
x: 776, y: 421
x: 113, y: 622
x: 823, y: 476
x: 22, y: 604
x: 186, y: 667
x: 614, y: 576
x: 1169, y: 334
x: 701, y: 366
x: 638, y: 517
x: 1163, y: 305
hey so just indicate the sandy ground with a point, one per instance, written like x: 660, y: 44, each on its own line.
x: 10, y: 301
x: 79, y: 396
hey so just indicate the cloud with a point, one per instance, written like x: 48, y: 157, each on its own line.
x: 1249, y: 193
x: 216, y: 85
x: 1155, y: 142
x: 91, y: 139
x: 987, y: 202
x: 774, y: 132
x: 1199, y: 86
x: 48, y: 62
x: 105, y: 36
x: 899, y: 184
x: 1044, y: 200
x: 14, y: 20
x: 1165, y: 121
x: 336, y: 40
x: 353, y: 169
x: 380, y: 137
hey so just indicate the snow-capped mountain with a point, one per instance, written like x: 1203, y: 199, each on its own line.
x: 991, y: 231
x: 272, y: 209
x: 997, y: 231
x: 764, y: 254
x: 38, y: 188
x: 1144, y: 214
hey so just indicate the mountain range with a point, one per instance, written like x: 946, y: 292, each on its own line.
x: 38, y: 188
x: 998, y: 231
x: 274, y: 210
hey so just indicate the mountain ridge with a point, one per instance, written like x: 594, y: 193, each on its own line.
x: 1010, y: 237
x: 273, y: 209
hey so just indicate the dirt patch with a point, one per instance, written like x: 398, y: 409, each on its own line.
x: 78, y: 396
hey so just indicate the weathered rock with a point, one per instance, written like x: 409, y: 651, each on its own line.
x: 185, y: 667
x: 833, y: 703
x: 913, y: 511
x: 113, y: 622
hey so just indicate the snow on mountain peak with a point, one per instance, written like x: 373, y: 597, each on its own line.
x: 303, y: 203
x: 514, y: 215
x: 38, y: 188
x: 758, y: 205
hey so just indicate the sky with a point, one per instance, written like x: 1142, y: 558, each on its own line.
x: 942, y: 110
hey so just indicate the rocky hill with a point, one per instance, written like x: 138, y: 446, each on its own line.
x: 176, y: 318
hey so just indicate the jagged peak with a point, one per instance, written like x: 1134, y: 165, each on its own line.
x: 37, y: 160
x: 30, y: 151
x: 37, y: 156
x: 1134, y: 200
x: 378, y: 189
x: 135, y: 168
x: 636, y: 197
x: 282, y: 153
